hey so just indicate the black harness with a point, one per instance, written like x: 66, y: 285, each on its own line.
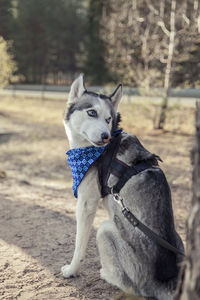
x: 108, y: 164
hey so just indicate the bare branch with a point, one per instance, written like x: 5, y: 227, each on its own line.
x: 198, y: 24
x: 186, y: 19
x: 152, y: 8
x: 163, y: 27
x: 196, y: 4
x: 163, y: 60
x: 162, y: 8
x: 171, y: 45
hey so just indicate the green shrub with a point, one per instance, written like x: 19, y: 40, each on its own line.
x: 7, y: 64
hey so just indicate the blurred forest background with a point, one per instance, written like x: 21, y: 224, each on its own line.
x: 143, y: 43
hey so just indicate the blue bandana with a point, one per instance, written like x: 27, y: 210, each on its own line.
x: 80, y: 159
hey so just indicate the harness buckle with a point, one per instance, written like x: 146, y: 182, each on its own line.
x: 118, y: 198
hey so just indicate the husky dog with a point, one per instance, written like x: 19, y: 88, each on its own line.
x: 130, y: 260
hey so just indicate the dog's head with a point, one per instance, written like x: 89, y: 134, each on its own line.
x: 90, y: 118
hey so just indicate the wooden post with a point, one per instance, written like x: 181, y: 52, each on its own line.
x: 189, y: 289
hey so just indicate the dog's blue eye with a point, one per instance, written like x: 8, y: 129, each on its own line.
x: 108, y: 120
x: 92, y: 113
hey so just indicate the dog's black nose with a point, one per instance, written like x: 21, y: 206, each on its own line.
x: 104, y: 136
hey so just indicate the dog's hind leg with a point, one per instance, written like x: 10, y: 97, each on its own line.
x: 122, y: 267
x: 110, y: 244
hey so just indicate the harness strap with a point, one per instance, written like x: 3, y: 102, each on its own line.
x: 129, y: 172
x: 124, y: 173
x: 118, y: 167
x: 105, y: 164
x: 109, y: 164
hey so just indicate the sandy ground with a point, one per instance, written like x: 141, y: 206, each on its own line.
x: 37, y: 207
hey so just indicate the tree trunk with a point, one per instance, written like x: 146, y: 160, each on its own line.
x: 189, y: 288
x: 168, y: 70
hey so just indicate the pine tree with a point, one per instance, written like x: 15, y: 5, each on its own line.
x: 47, y: 36
x: 5, y: 18
x: 30, y: 42
x: 95, y: 65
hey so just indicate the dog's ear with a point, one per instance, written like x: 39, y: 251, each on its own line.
x: 77, y: 89
x: 116, y: 96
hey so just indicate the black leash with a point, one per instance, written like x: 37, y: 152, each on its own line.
x: 146, y: 230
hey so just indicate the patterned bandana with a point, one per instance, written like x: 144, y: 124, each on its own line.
x: 80, y: 159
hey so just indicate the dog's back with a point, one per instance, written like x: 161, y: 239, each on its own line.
x: 148, y: 196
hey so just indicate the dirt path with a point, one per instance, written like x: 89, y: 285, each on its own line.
x: 37, y: 208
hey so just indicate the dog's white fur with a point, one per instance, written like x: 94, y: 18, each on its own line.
x: 81, y: 130
x: 87, y: 201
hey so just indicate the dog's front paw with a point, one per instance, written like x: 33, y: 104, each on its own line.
x: 69, y: 271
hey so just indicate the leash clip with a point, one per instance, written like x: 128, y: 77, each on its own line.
x: 118, y: 198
